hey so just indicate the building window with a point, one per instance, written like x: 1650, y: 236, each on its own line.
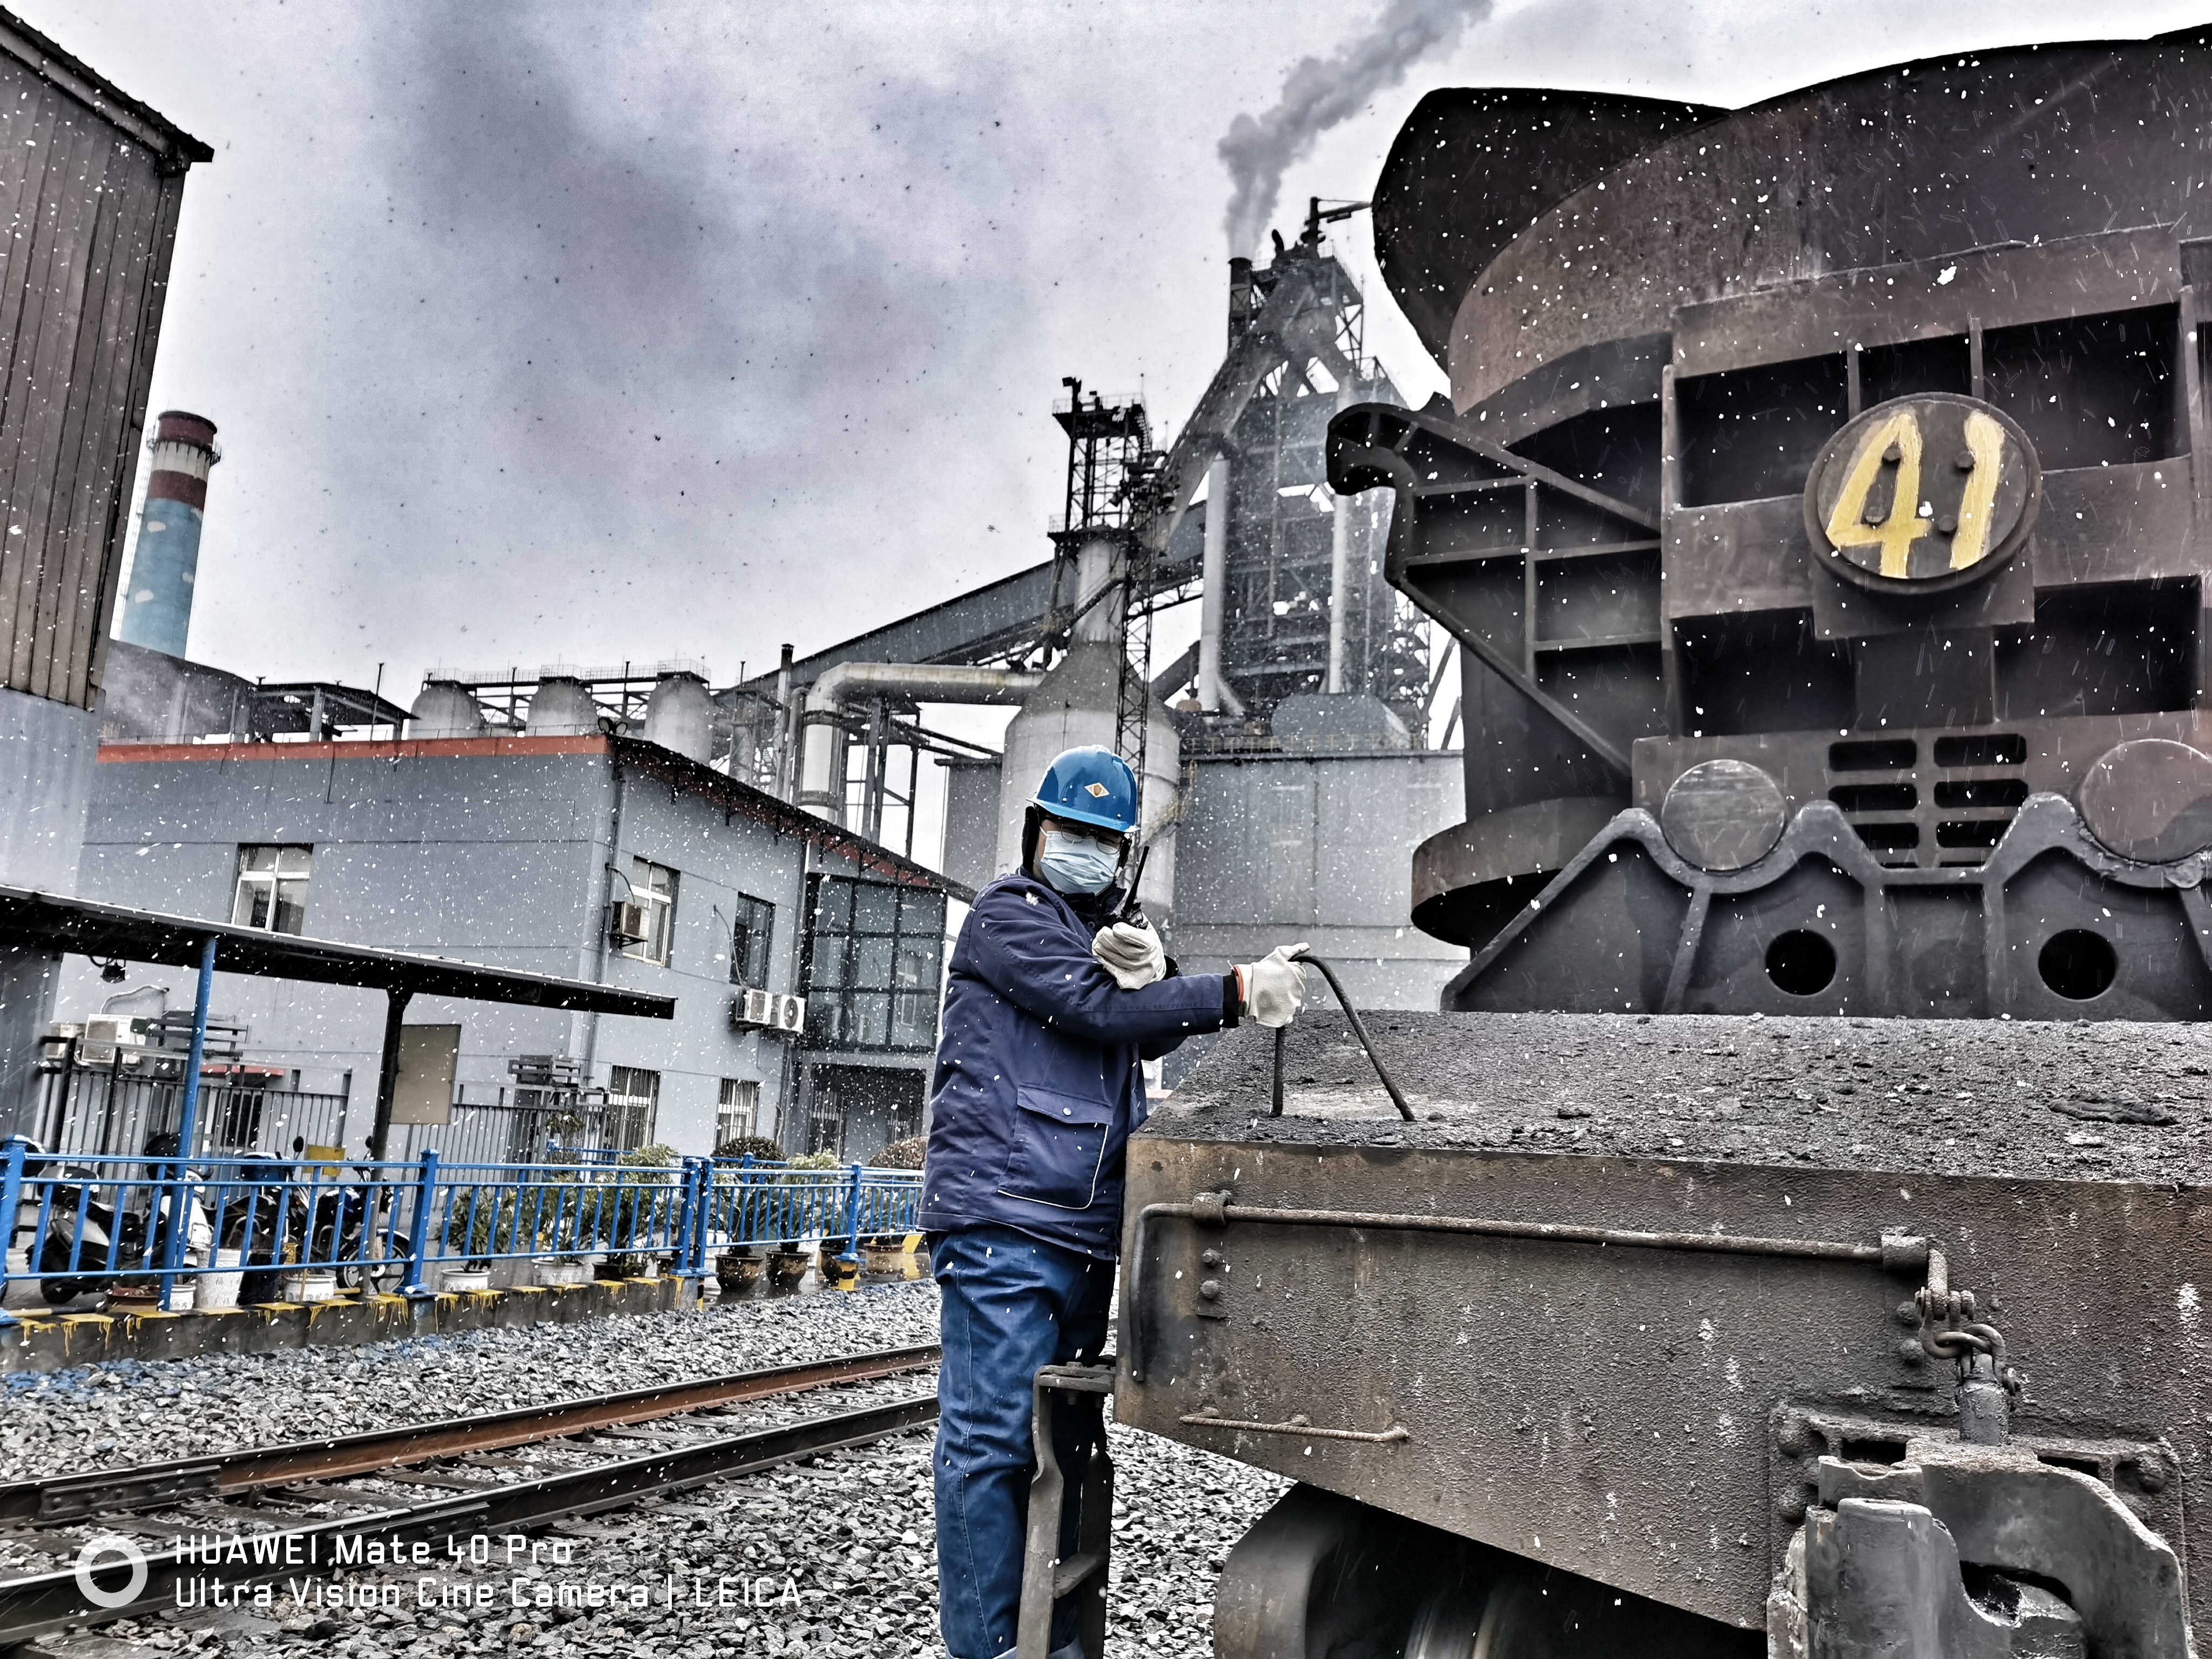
x: 751, y: 933
x: 739, y: 1112
x: 876, y: 957
x: 855, y: 1111
x: 633, y: 1106
x: 273, y: 888
x: 652, y: 886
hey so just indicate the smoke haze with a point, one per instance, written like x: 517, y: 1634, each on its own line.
x: 1317, y: 93
x: 545, y: 332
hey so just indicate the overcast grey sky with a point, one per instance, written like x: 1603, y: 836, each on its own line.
x: 586, y: 333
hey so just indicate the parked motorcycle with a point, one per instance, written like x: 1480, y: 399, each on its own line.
x: 85, y: 1245
x: 276, y: 1221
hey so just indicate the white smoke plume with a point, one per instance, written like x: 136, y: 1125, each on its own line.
x: 1317, y: 93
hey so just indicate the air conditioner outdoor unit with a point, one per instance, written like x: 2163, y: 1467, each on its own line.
x: 626, y: 923
x: 108, y: 1040
x: 768, y: 1011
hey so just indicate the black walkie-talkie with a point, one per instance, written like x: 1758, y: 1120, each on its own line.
x: 1129, y: 912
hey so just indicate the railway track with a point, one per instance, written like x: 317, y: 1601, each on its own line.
x: 319, y: 1504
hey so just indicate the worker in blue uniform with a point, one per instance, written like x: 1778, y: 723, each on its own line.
x: 1050, y: 1005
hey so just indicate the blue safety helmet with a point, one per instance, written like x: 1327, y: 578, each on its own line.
x: 1093, y: 785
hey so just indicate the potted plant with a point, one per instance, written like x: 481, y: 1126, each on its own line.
x: 807, y: 1209
x: 557, y: 1272
x: 647, y: 1203
x: 559, y: 1213
x: 735, y: 1210
x: 894, y: 1253
x: 738, y: 1271
x: 480, y: 1223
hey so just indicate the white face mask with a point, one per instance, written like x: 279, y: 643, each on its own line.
x: 1077, y: 864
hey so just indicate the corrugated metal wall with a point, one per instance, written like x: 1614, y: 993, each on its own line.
x: 89, y: 189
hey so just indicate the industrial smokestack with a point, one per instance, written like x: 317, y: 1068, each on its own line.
x: 157, y: 608
x: 1239, y: 298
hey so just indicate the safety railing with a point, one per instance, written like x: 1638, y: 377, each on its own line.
x: 92, y: 1111
x: 749, y: 1203
x: 235, y: 1229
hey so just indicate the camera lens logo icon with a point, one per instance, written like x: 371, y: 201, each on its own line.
x: 106, y: 1552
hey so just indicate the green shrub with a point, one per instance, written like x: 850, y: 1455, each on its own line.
x: 487, y: 1221
x: 635, y: 1196
x: 759, y: 1148
x: 901, y: 1154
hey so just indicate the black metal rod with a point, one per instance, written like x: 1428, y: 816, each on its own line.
x: 1358, y: 1030
x: 1895, y: 1251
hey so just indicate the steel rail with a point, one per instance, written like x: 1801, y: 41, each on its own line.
x: 145, y: 1485
x: 40, y: 1604
x: 1896, y: 1253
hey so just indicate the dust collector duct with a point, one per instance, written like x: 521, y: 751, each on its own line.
x: 562, y: 708
x: 443, y: 709
x: 679, y: 716
x: 822, y: 794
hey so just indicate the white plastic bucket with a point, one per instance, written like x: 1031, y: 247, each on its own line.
x: 218, y: 1289
x: 22, y: 1292
x: 314, y: 1285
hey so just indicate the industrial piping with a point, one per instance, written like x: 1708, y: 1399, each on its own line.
x: 1213, y: 576
x: 821, y: 791
x: 1340, y: 567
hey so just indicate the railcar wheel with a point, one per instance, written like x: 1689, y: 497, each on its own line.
x: 1526, y: 1613
x: 1321, y: 1577
x: 1450, y: 1625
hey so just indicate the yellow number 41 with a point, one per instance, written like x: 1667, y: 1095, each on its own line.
x: 1896, y: 442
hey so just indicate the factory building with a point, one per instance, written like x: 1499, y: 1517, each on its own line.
x: 805, y: 961
x: 95, y: 179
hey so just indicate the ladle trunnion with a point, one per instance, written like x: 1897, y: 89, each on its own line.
x: 1798, y: 1242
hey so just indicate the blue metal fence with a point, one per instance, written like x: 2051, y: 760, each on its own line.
x: 86, y: 1224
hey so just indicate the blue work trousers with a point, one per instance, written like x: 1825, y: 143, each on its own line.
x: 1011, y: 1304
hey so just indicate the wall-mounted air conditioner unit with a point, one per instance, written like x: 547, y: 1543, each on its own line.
x: 752, y: 1010
x: 107, y: 1040
x: 625, y: 924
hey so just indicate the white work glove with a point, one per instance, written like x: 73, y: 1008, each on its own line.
x: 1132, y: 952
x: 1275, y: 985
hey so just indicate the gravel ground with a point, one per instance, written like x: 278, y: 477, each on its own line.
x: 830, y: 1558
x: 128, y: 1413
x: 2113, y: 1101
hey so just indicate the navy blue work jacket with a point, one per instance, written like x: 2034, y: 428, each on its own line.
x: 1037, y: 1088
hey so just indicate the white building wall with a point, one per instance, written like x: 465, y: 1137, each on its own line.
x: 497, y: 856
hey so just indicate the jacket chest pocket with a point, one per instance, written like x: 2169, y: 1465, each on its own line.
x: 1059, y: 1150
